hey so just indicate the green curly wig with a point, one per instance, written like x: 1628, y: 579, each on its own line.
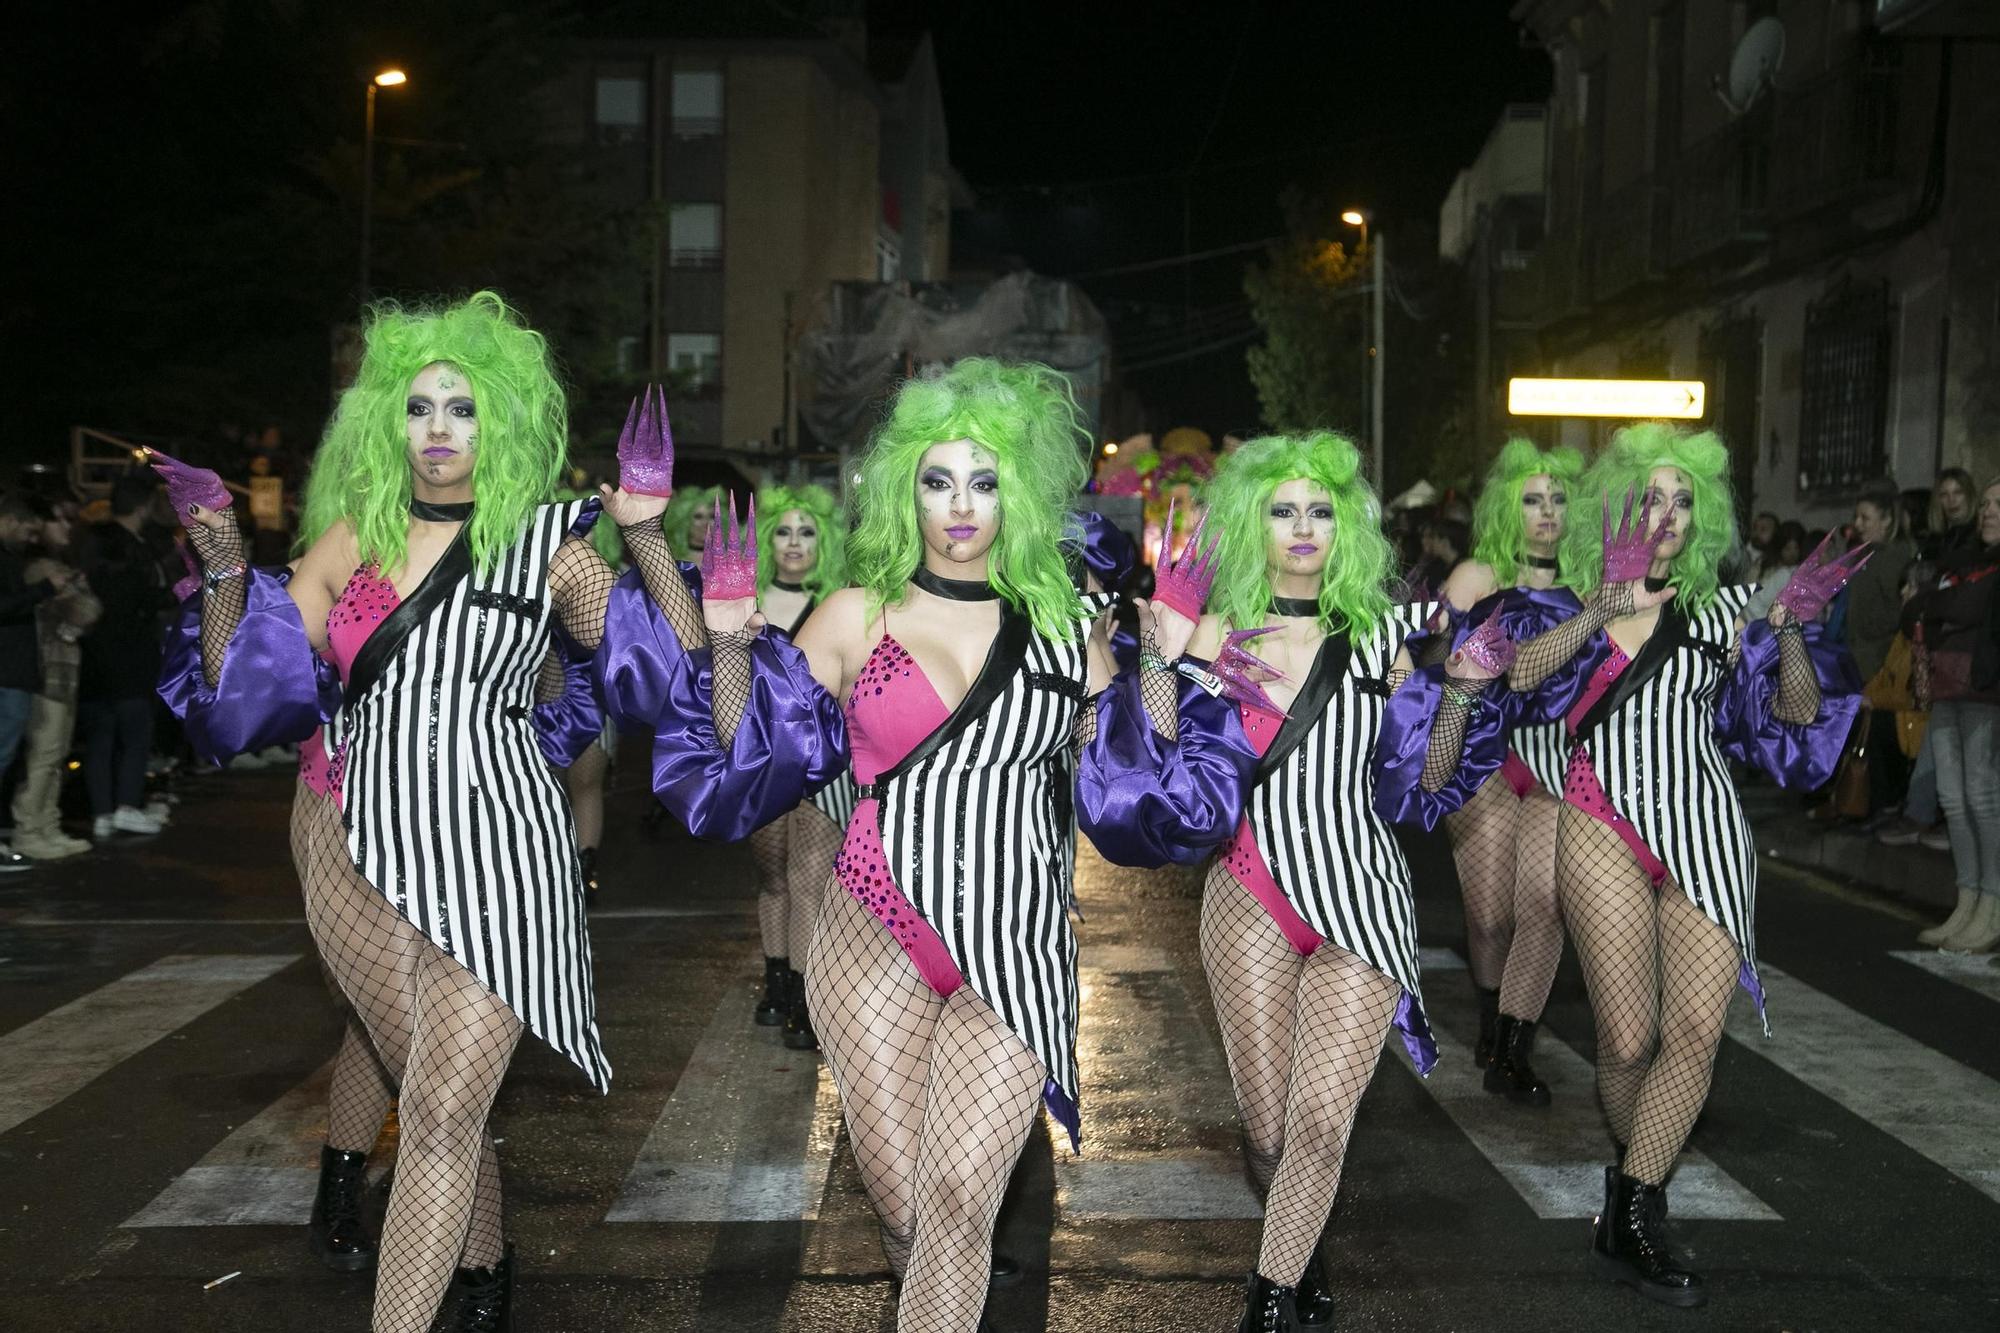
x: 1025, y: 415
x: 687, y: 501
x: 1499, y: 535
x: 1623, y: 469
x: 362, y: 470
x: 818, y: 504
x: 1353, y: 590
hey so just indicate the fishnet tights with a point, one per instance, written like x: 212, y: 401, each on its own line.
x: 1302, y: 1035
x: 813, y: 845
x: 585, y: 781
x: 1505, y: 848
x: 447, y: 1041
x: 770, y: 858
x: 358, y: 1098
x: 1660, y: 975
x: 938, y: 1098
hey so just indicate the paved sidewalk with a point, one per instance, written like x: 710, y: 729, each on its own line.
x: 1914, y: 876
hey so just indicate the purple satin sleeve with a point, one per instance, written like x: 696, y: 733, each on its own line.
x: 566, y: 725
x: 791, y: 742
x: 1405, y: 741
x: 1800, y: 757
x: 274, y: 689
x: 1143, y: 802
x: 1124, y: 648
x: 1526, y: 613
x: 1107, y: 551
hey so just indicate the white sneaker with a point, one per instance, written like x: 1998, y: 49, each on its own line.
x: 11, y: 861
x: 100, y: 828
x: 130, y: 819
x: 159, y: 812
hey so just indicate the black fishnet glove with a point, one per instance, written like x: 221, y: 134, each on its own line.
x: 731, y: 686
x: 1085, y: 730
x: 221, y: 551
x: 1454, y: 715
x: 1159, y: 688
x: 581, y: 585
x: 1798, y: 684
x: 1540, y: 657
x: 551, y: 680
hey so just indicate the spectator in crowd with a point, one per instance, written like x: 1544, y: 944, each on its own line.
x: 61, y: 621
x: 20, y: 653
x: 1786, y: 548
x: 121, y: 660
x: 1874, y: 597
x: 1952, y: 523
x: 1959, y: 672
x: 1444, y: 541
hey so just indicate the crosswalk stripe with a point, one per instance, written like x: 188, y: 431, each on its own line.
x: 61, y: 1052
x: 1138, y: 1018
x: 1974, y: 971
x: 1554, y: 1157
x: 1929, y: 1102
x: 746, y: 1136
x: 263, y: 1174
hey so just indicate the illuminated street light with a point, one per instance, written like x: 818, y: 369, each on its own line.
x: 387, y: 78
x: 1110, y: 448
x: 1374, y: 364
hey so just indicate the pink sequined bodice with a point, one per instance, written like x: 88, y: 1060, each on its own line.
x: 364, y: 603
x: 1580, y: 785
x: 1243, y: 860
x: 893, y: 707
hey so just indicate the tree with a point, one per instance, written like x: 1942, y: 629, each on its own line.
x: 1309, y: 371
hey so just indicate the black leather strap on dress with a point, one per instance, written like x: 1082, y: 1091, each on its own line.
x: 1330, y: 663
x: 1304, y: 608
x: 453, y: 567
x: 1667, y: 638
x: 1003, y: 659
x: 954, y: 590
x: 456, y: 512
x: 804, y: 616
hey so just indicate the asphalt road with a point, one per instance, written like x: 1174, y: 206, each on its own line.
x: 164, y: 1033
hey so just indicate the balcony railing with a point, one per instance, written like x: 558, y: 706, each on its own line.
x: 1835, y: 137
x: 1720, y: 193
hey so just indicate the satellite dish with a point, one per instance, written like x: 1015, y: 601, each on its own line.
x: 1754, y: 66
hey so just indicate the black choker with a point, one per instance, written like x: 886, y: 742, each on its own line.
x: 456, y: 512
x: 788, y: 587
x: 1656, y: 585
x: 1305, y: 608
x: 1543, y: 562
x: 954, y: 590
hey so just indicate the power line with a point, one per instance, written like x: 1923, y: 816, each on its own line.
x: 1145, y: 265
x: 1205, y: 349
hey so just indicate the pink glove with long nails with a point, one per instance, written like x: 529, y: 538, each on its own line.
x: 1629, y: 554
x: 1819, y: 578
x: 1243, y: 676
x: 188, y: 486
x: 1485, y: 654
x: 729, y: 564
x: 1182, y: 584
x: 646, y: 446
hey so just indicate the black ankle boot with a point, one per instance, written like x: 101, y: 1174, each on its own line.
x: 1489, y: 1017
x: 1628, y: 1247
x: 799, y: 1034
x: 1312, y: 1303
x: 485, y: 1297
x: 1511, y: 1071
x: 1267, y: 1307
x: 1005, y: 1270
x: 771, y: 1011
x: 335, y: 1232
x: 588, y: 858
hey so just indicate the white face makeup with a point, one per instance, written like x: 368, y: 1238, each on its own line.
x: 795, y: 545
x: 958, y: 501
x: 1298, y: 530
x: 1544, y: 510
x: 1671, y: 498
x: 441, y: 426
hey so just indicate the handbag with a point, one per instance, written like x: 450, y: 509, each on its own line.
x: 1851, y: 793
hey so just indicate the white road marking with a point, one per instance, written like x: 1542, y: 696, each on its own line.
x: 1929, y: 1102
x: 1974, y: 971
x: 65, y: 1049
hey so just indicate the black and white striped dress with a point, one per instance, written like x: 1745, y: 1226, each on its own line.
x: 1543, y: 747
x: 450, y: 810
x: 1313, y: 811
x: 1660, y: 761
x: 976, y: 826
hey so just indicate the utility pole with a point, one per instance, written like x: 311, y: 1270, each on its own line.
x: 1378, y: 354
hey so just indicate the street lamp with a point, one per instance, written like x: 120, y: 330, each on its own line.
x: 388, y: 78
x: 1361, y: 217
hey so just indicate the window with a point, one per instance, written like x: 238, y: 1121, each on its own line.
x: 621, y: 108
x: 695, y: 359
x: 629, y: 355
x: 1845, y: 394
x: 697, y: 102
x: 694, y: 235
x: 888, y: 258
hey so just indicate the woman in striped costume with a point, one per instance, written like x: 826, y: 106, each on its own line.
x: 1658, y: 682
x: 1504, y: 838
x: 442, y: 882
x: 1308, y: 926
x: 801, y: 561
x: 942, y: 971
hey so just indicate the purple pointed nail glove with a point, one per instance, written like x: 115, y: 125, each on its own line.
x: 1820, y: 578
x: 1628, y: 554
x: 1183, y: 583
x: 1243, y: 676
x: 1488, y: 647
x: 188, y: 485
x: 729, y: 565
x: 646, y: 446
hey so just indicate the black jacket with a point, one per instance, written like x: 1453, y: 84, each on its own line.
x: 121, y: 652
x: 20, y: 642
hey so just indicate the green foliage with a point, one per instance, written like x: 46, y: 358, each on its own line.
x: 1307, y: 297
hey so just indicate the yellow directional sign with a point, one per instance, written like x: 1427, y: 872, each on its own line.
x: 1634, y: 400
